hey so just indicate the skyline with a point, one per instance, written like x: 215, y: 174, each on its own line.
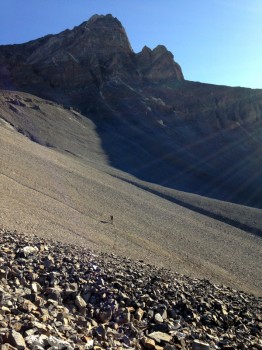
x: 214, y: 41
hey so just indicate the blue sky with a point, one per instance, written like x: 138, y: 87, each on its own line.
x: 214, y: 41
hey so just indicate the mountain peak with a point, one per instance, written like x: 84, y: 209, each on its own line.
x: 160, y: 49
x: 107, y: 28
x: 158, y: 64
x: 94, y: 53
x: 108, y: 18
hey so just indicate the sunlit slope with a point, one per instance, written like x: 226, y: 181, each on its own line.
x: 54, y: 193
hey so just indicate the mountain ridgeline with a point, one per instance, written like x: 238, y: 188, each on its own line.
x: 152, y: 123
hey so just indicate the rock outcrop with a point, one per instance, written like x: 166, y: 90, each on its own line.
x: 94, y: 52
x: 158, y: 64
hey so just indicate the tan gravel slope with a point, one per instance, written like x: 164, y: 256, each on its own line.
x: 51, y: 194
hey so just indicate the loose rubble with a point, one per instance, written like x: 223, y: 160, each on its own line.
x: 56, y: 296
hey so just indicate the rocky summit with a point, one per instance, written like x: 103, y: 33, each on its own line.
x: 55, y: 296
x: 91, y: 55
x: 152, y: 123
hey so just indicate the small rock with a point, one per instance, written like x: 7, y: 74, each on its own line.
x: 101, y: 331
x: 158, y: 318
x: 148, y: 343
x: 59, y: 343
x: 29, y: 250
x: 7, y: 346
x: 123, y: 316
x: 37, y: 340
x: 17, y: 340
x: 139, y: 314
x: 28, y: 306
x: 80, y: 303
x: 36, y: 288
x: 160, y: 336
x: 150, y: 314
x: 158, y: 347
x: 89, y: 342
x: 257, y: 346
x: 105, y: 315
x: 198, y: 345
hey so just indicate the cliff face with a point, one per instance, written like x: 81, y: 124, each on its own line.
x: 151, y: 121
x: 85, y: 58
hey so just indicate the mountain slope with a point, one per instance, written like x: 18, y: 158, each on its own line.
x: 54, y: 193
x: 152, y: 123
